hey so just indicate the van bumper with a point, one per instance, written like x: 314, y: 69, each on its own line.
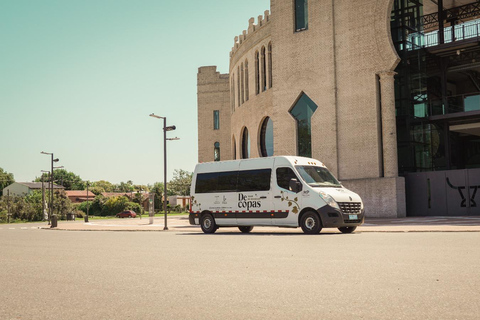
x: 334, y: 218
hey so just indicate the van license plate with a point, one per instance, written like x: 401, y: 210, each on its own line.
x: 352, y: 216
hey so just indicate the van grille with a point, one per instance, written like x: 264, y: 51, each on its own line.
x: 350, y: 207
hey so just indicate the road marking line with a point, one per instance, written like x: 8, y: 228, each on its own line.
x: 11, y: 228
x: 24, y: 228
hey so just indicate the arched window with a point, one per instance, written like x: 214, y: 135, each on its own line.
x: 242, y: 76
x: 234, y: 149
x: 303, y: 111
x: 246, y: 80
x: 238, y: 86
x: 266, y: 138
x: 216, y: 151
x: 257, y: 73
x: 264, y: 70
x: 245, y: 144
x: 270, y: 78
x: 232, y: 93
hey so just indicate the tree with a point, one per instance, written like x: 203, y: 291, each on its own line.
x: 65, y: 178
x: 97, y: 190
x: 107, y: 186
x: 6, y: 179
x: 157, y: 190
x: 180, y: 184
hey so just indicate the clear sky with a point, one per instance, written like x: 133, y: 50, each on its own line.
x: 79, y: 78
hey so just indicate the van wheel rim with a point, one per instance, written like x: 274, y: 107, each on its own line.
x: 207, y: 223
x: 310, y: 223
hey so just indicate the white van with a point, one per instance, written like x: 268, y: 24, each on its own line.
x: 283, y: 191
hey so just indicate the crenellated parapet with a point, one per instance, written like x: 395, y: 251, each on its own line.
x: 262, y: 20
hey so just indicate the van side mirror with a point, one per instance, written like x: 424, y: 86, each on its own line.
x: 295, y: 185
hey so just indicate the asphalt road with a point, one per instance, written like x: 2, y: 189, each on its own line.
x: 53, y: 274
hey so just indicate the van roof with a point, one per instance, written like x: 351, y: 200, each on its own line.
x: 265, y: 162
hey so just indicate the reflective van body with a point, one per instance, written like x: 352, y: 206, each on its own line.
x: 283, y: 191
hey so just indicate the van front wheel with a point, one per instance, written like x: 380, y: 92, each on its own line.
x: 311, y: 223
x: 347, y: 229
x: 245, y: 229
x: 207, y: 222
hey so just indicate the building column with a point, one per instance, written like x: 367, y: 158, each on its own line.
x: 389, y: 125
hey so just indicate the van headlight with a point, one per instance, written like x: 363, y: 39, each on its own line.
x: 329, y: 200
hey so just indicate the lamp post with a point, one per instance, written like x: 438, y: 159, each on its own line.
x: 43, y: 196
x: 51, y: 185
x: 165, y: 129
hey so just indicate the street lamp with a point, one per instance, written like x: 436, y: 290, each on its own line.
x: 51, y: 184
x: 165, y: 129
x: 43, y: 196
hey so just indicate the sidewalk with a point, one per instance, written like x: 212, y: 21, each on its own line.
x: 181, y: 224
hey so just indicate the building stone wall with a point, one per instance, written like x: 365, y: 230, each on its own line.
x: 213, y: 93
x: 343, y: 62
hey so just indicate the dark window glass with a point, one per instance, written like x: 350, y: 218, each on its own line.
x: 301, y: 15
x: 283, y: 177
x: 270, y: 78
x: 302, y: 112
x: 264, y: 70
x: 232, y: 181
x: 216, y: 151
x: 254, y: 180
x: 216, y: 119
x: 245, y: 144
x: 234, y: 149
x: 242, y: 76
x: 246, y: 81
x: 238, y: 86
x: 317, y: 176
x: 266, y: 138
x: 206, y: 182
x: 257, y: 73
x: 227, y: 181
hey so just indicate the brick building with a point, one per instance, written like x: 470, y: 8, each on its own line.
x: 357, y: 86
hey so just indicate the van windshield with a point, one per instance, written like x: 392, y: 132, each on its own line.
x: 317, y: 176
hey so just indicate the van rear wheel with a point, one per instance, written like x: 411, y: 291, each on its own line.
x: 311, y: 223
x: 207, y: 223
x: 245, y: 229
x: 347, y: 229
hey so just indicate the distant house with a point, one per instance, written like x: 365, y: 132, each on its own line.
x: 182, y: 201
x: 79, y: 196
x: 22, y: 189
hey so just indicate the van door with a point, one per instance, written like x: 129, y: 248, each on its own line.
x: 254, y: 197
x: 287, y: 203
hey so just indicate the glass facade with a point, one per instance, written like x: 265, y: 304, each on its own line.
x: 303, y: 111
x: 301, y: 15
x: 437, y: 86
x: 266, y: 138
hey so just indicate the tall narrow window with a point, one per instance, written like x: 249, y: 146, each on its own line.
x: 257, y: 73
x: 303, y: 111
x: 266, y: 138
x: 238, y: 86
x: 246, y: 80
x: 301, y: 15
x: 232, y: 94
x: 264, y: 70
x: 216, y: 119
x: 216, y: 151
x: 234, y: 149
x: 270, y: 78
x: 242, y: 76
x: 245, y: 144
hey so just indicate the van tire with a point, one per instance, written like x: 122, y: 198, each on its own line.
x: 311, y: 223
x: 245, y: 229
x: 207, y: 223
x: 347, y: 229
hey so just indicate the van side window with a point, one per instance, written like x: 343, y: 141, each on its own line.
x: 254, y: 180
x: 283, y: 177
x: 233, y: 181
